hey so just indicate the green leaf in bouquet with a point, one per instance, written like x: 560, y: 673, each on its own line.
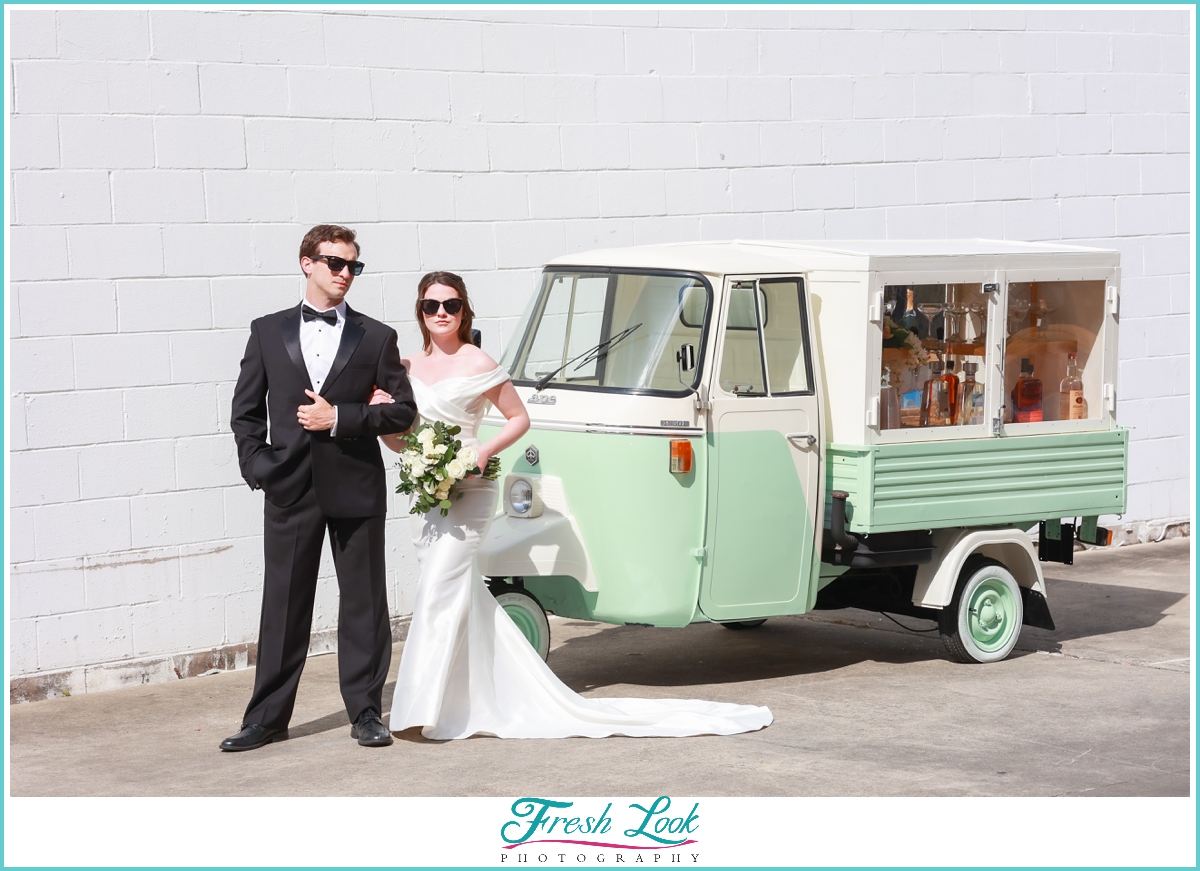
x: 898, y: 338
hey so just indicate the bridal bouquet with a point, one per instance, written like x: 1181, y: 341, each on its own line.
x: 434, y: 462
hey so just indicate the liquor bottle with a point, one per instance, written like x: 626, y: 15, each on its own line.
x: 935, y: 402
x: 1027, y: 395
x: 909, y: 320
x: 970, y: 401
x: 1072, y: 405
x: 889, y: 402
x: 951, y: 392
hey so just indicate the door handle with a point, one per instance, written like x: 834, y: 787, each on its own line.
x: 808, y: 438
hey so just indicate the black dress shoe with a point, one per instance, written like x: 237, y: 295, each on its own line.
x: 370, y: 731
x: 252, y: 737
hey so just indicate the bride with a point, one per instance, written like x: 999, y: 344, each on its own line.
x: 466, y: 669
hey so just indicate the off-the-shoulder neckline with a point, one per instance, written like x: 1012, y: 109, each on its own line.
x: 455, y: 377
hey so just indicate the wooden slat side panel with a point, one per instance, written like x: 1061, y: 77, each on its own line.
x: 993, y: 481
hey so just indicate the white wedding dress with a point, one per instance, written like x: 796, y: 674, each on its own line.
x: 466, y: 668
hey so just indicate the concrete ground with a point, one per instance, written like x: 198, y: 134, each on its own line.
x: 862, y: 707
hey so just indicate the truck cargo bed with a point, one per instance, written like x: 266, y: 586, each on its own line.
x: 979, y: 482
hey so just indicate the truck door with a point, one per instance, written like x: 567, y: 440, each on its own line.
x: 765, y: 447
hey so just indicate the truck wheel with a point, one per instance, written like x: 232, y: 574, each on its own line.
x: 983, y: 620
x: 744, y: 624
x: 527, y: 612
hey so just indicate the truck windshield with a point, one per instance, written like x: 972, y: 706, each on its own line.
x: 619, y: 331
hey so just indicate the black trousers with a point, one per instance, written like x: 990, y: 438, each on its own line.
x: 293, y: 538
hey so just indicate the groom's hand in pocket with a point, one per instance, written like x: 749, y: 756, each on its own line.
x: 316, y: 417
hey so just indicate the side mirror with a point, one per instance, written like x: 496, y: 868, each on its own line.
x: 686, y: 357
x: 477, y: 338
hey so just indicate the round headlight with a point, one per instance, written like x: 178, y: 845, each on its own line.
x: 520, y: 496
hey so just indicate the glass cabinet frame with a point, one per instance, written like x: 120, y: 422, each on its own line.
x: 1103, y: 351
x: 992, y: 372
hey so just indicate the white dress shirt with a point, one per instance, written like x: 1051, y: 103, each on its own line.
x: 319, y: 344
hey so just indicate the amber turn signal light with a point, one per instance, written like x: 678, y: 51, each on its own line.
x: 1101, y: 536
x: 681, y: 456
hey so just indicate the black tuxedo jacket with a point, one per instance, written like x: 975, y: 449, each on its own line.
x: 346, y: 472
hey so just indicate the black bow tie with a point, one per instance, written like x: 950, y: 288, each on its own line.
x: 311, y: 314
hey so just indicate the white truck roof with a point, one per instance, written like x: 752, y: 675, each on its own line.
x: 751, y: 256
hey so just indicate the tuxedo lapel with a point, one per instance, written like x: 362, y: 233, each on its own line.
x: 352, y: 333
x: 291, y: 341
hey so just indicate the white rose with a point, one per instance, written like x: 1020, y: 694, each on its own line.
x: 417, y: 469
x: 429, y: 487
x: 456, y: 469
x: 439, y: 449
x: 426, y: 437
x: 469, y: 456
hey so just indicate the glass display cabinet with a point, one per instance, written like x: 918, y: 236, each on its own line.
x: 965, y: 359
x: 1053, y: 330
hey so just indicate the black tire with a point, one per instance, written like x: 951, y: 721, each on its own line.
x: 984, y: 618
x: 745, y: 624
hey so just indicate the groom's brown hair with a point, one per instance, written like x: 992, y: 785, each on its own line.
x: 455, y: 282
x: 310, y: 245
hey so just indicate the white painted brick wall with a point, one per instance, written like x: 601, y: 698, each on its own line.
x: 153, y: 578
x: 165, y: 163
x: 126, y: 468
x: 115, y: 251
x: 158, y: 197
x: 164, y: 305
x: 62, y: 197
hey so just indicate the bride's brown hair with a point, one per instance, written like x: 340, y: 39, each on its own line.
x: 455, y: 282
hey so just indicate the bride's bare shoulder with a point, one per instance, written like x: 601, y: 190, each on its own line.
x: 478, y: 362
x: 415, y: 364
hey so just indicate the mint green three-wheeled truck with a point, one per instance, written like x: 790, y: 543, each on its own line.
x: 734, y: 431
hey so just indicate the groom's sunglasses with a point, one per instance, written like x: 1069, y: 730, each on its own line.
x: 452, y: 306
x: 337, y: 264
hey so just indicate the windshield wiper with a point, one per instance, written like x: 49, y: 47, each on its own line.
x: 591, y: 353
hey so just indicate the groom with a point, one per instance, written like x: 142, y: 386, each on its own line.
x: 307, y: 373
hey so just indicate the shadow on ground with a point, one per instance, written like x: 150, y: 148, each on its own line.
x: 794, y: 646
x: 704, y: 654
x: 1084, y: 610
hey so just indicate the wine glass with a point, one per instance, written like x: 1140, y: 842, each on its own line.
x: 1017, y: 309
x: 955, y: 312
x: 929, y: 311
x: 978, y: 311
x: 1040, y: 311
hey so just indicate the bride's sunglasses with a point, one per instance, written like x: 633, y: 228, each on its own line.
x: 430, y: 306
x: 337, y: 264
